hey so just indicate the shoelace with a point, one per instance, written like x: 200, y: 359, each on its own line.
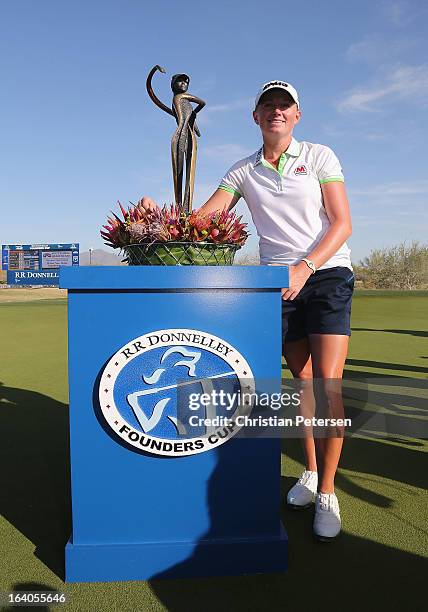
x: 304, y: 478
x: 327, y: 503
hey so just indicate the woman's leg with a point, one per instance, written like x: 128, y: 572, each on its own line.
x: 328, y: 353
x: 298, y: 358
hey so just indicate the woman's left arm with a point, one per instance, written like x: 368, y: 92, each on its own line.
x: 337, y: 208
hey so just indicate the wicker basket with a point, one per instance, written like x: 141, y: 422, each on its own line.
x: 180, y: 254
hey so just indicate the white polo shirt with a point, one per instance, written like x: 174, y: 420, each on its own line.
x: 286, y: 204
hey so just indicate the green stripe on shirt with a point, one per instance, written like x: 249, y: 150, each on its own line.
x: 332, y: 179
x: 230, y: 190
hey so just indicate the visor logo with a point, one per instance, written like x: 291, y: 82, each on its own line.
x: 275, y: 84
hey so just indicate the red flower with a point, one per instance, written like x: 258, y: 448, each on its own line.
x: 169, y: 223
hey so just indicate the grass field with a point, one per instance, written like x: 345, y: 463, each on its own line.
x: 8, y: 296
x: 378, y: 562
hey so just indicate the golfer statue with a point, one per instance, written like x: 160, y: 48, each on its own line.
x: 183, y: 143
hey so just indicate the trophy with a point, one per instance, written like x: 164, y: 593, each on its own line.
x: 176, y: 235
x: 184, y: 144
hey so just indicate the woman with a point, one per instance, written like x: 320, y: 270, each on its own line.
x: 296, y: 195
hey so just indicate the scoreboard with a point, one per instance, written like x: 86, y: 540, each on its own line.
x: 37, y: 264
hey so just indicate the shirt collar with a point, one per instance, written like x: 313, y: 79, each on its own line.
x: 293, y: 151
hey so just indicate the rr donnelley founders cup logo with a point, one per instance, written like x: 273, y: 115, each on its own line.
x: 158, y: 392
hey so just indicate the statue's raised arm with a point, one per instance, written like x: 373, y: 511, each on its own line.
x: 152, y: 93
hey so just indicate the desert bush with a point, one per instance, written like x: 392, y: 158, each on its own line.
x: 401, y: 266
x: 249, y: 259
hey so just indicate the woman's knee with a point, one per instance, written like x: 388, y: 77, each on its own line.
x: 298, y: 357
x: 303, y: 374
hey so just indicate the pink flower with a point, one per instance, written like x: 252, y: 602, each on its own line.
x: 169, y: 223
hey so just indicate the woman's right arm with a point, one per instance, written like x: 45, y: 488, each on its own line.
x: 220, y: 200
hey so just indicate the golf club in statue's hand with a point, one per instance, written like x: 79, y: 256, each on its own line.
x: 184, y: 142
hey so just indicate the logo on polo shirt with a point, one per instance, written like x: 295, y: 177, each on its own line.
x: 148, y: 388
x: 300, y: 170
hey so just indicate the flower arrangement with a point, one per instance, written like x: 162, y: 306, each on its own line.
x: 140, y: 226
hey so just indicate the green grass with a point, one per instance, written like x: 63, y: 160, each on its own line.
x: 390, y: 293
x: 377, y: 563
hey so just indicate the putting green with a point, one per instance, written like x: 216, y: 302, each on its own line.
x: 378, y: 562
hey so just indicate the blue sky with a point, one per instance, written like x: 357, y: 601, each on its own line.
x: 78, y: 131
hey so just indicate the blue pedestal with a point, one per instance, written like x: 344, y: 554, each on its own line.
x: 145, y: 505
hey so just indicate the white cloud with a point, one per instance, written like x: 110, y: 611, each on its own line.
x: 393, y: 189
x: 395, y: 12
x: 401, y: 13
x: 374, y: 49
x: 402, y: 82
x: 374, y: 136
x: 363, y: 50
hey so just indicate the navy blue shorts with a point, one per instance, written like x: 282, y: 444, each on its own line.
x: 323, y: 306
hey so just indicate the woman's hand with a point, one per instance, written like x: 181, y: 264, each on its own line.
x: 298, y: 275
x: 147, y: 203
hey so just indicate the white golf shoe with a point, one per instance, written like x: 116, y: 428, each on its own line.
x: 327, y: 517
x: 302, y: 494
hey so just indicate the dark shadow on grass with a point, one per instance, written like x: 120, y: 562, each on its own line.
x: 372, y: 457
x: 374, y: 375
x: 388, y: 366
x: 400, y: 423
x: 375, y: 457
x: 408, y: 332
x: 390, y: 380
x: 292, y: 449
x: 31, y: 587
x: 34, y: 480
x: 352, y: 573
x: 356, y: 573
x: 390, y: 409
x: 398, y: 440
